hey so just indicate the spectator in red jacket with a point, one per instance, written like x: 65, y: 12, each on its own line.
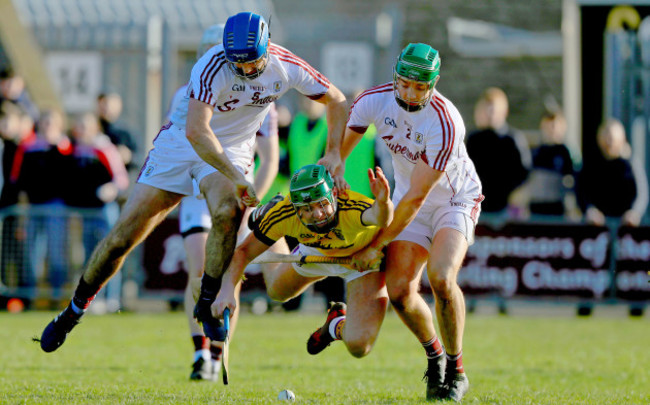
x: 100, y: 176
x: 40, y: 173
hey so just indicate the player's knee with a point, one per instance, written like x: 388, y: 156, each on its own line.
x: 276, y: 294
x: 358, y: 349
x: 443, y: 282
x: 226, y: 215
x: 399, y: 295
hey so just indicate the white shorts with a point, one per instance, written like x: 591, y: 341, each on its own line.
x: 194, y: 217
x: 172, y: 163
x: 324, y: 269
x: 425, y: 225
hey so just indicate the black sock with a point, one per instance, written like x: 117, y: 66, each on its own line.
x: 209, y: 288
x: 83, y: 296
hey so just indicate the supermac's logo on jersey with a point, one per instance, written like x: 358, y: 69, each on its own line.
x: 277, y: 86
x: 418, y: 138
x: 238, y: 87
x: 390, y: 121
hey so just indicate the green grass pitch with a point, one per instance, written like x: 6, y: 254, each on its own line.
x: 145, y: 358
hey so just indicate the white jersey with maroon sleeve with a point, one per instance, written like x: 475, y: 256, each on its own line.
x: 240, y: 105
x: 434, y: 134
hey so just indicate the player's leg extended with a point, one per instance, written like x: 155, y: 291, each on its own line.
x: 404, y: 264
x: 146, y: 207
x: 284, y: 283
x: 203, y: 366
x: 445, y: 259
x: 195, y: 249
x: 226, y: 214
x: 367, y: 302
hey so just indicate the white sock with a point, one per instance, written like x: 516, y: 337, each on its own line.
x: 205, y: 353
x: 333, y: 324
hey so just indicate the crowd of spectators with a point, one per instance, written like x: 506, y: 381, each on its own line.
x: 521, y: 182
x: 57, y: 179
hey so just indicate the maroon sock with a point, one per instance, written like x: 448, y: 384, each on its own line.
x: 433, y: 348
x: 455, y: 361
x: 200, y: 342
x: 216, y: 352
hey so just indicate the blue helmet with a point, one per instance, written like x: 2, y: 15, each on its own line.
x: 246, y: 40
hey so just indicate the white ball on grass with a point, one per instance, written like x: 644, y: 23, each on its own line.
x: 287, y: 395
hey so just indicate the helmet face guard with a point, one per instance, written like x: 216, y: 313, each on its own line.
x: 246, y: 41
x: 311, y: 192
x: 260, y: 65
x: 418, y: 63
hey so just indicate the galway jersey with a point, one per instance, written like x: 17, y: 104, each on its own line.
x: 269, y: 125
x: 240, y: 105
x: 434, y: 134
x: 349, y: 236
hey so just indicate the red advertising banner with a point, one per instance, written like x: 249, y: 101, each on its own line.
x: 164, y: 258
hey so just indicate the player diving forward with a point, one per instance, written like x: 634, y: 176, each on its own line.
x: 325, y: 223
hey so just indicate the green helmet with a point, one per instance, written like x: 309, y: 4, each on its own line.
x: 313, y: 184
x: 419, y: 63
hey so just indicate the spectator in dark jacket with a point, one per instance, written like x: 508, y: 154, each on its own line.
x: 100, y: 177
x: 15, y: 127
x: 500, y: 153
x: 109, y: 109
x: 551, y: 182
x: 41, y: 174
x: 613, y: 185
x: 12, y: 89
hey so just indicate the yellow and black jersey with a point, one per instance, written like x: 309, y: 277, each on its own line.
x: 349, y: 236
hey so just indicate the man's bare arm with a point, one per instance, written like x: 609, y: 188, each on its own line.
x: 381, y: 212
x: 208, y: 147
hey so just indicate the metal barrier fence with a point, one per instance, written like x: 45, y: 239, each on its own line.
x: 43, y: 250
